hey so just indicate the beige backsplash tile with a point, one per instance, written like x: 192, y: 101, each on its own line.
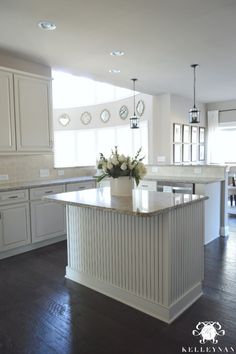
x: 26, y: 168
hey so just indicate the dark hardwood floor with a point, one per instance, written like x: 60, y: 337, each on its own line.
x: 41, y: 312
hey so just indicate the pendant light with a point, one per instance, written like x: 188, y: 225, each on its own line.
x: 194, y: 113
x: 134, y: 120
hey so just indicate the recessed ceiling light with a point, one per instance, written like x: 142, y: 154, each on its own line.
x: 47, y: 25
x: 117, y: 53
x: 114, y: 71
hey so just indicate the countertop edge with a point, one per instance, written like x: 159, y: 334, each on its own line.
x: 44, y: 183
x: 122, y: 211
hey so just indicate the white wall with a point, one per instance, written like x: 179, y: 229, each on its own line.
x: 95, y: 110
x: 161, y: 132
x: 12, y: 61
x: 180, y: 107
x: 169, y: 109
x: 160, y: 111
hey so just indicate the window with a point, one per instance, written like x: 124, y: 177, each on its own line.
x: 225, y: 152
x: 82, y: 147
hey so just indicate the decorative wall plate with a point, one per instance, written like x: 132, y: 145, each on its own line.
x: 140, y: 108
x: 105, y: 116
x: 64, y: 119
x: 123, y: 112
x: 86, y: 118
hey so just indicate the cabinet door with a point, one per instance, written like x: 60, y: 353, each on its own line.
x: 47, y: 220
x: 14, y: 226
x: 7, y: 127
x: 33, y: 113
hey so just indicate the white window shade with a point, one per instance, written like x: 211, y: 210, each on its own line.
x: 227, y: 117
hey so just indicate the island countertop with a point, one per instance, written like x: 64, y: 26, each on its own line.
x: 142, y: 202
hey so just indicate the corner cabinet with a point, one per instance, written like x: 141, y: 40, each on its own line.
x: 25, y: 113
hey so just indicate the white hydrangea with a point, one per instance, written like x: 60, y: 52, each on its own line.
x: 114, y: 161
x: 123, y: 166
x: 141, y: 169
x: 122, y: 158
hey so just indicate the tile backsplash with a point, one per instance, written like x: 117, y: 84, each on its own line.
x: 27, y: 168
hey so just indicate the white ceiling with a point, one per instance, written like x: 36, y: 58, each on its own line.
x: 161, y: 38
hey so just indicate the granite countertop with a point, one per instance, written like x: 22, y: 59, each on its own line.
x: 42, y: 183
x: 143, y: 203
x: 183, y: 179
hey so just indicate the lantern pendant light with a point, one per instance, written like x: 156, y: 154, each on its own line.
x: 134, y: 120
x: 194, y: 113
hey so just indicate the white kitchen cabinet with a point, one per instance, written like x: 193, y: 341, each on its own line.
x: 14, y: 226
x: 7, y: 129
x: 80, y: 186
x: 33, y: 113
x: 47, y: 218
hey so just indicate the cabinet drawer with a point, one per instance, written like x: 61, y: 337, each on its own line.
x: 39, y: 192
x: 80, y: 186
x: 12, y: 197
x: 148, y: 185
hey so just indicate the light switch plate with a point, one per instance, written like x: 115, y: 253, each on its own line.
x: 4, y: 178
x: 44, y: 172
x: 60, y: 172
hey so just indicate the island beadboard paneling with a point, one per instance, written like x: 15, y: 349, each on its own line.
x: 154, y: 263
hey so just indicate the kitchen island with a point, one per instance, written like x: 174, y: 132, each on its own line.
x: 145, y: 251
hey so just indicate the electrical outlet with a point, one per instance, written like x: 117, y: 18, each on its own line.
x: 155, y: 169
x: 60, y: 172
x: 44, y: 172
x: 197, y: 170
x: 4, y: 178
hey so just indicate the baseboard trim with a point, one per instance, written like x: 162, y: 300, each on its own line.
x: 31, y: 247
x: 224, y: 231
x: 163, y: 313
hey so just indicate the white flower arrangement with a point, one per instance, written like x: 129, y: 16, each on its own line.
x: 120, y: 165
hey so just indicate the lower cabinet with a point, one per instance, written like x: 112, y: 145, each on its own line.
x: 47, y: 220
x: 26, y: 219
x: 14, y: 226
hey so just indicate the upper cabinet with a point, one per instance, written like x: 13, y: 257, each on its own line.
x: 7, y: 121
x: 25, y: 113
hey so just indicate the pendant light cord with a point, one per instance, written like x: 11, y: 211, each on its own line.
x: 134, y: 80
x: 194, y: 84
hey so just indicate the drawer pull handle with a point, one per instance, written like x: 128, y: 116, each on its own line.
x: 47, y: 192
x: 13, y: 197
x: 144, y: 185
